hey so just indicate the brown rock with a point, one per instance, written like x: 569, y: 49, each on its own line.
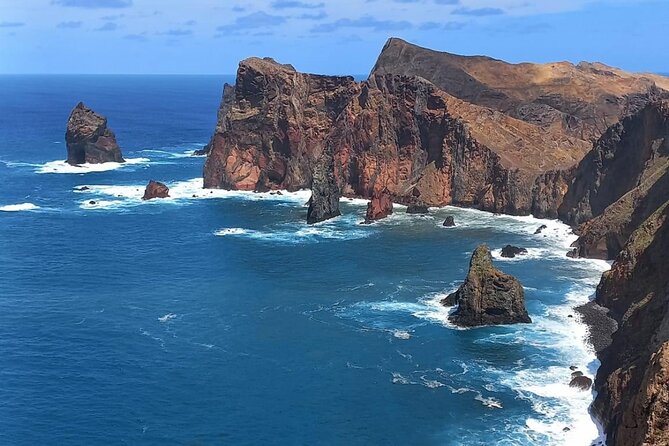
x: 488, y: 296
x: 88, y: 138
x: 380, y: 206
x: 155, y: 189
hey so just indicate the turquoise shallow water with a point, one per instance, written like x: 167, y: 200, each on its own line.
x: 223, y: 319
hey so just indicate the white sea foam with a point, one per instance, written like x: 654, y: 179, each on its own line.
x: 168, y: 317
x: 180, y: 192
x: 63, y: 167
x: 402, y: 334
x: 19, y: 207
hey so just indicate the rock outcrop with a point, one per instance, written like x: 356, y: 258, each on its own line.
x: 488, y: 296
x: 272, y: 125
x: 380, y: 206
x: 324, y: 201
x: 510, y: 251
x: 155, y: 189
x: 88, y: 138
x: 620, y: 182
x: 449, y: 222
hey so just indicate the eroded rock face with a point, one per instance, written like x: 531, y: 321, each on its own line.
x: 488, y: 296
x: 632, y: 383
x: 272, y: 125
x: 620, y: 182
x: 324, y: 201
x: 380, y: 206
x: 88, y: 138
x: 390, y: 132
x: 155, y: 189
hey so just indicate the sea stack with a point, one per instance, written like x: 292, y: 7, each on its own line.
x: 88, y: 138
x: 324, y: 201
x: 488, y: 296
x: 155, y: 189
x: 380, y: 206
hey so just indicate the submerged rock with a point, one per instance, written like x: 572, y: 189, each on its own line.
x: 155, y: 189
x: 88, y: 138
x: 417, y: 208
x: 510, y: 251
x: 488, y: 296
x: 324, y: 201
x: 380, y: 206
x: 449, y: 222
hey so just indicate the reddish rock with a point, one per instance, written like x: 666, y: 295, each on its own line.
x: 155, y: 189
x: 88, y: 138
x: 380, y: 206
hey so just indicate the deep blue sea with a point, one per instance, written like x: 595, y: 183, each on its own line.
x: 221, y: 318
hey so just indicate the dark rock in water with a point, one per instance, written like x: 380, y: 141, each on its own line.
x: 92, y: 202
x: 573, y: 367
x: 573, y: 253
x: 581, y: 383
x: 155, y: 189
x: 540, y: 229
x: 576, y: 373
x: 203, y: 151
x: 488, y: 296
x: 380, y: 206
x: 449, y: 222
x: 510, y: 251
x: 88, y: 138
x: 82, y: 188
x: 417, y: 208
x: 324, y: 201
x: 566, y: 429
x: 279, y: 192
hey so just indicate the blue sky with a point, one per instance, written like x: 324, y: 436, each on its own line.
x: 324, y: 36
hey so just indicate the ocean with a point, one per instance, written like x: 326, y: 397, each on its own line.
x: 220, y: 317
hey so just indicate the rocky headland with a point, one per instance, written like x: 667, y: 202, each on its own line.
x: 88, y: 138
x: 586, y: 143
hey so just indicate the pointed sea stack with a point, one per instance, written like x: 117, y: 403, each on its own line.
x: 155, y: 189
x: 88, y: 138
x: 488, y: 296
x: 380, y: 206
x: 324, y: 201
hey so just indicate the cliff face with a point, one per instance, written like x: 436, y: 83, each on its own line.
x: 88, y: 138
x: 620, y: 182
x: 488, y: 296
x: 580, y: 100
x: 272, y: 125
x: 390, y: 132
x: 633, y: 381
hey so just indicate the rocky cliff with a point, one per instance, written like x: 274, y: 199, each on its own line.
x: 88, y: 138
x: 488, y: 296
x: 390, y: 132
x: 633, y: 380
x: 620, y: 182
